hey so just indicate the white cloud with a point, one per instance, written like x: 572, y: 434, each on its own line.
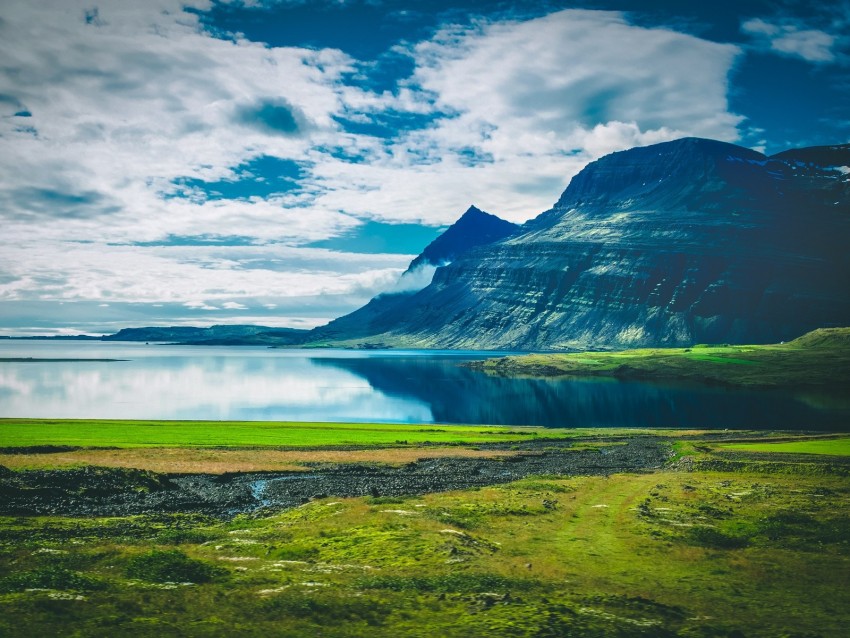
x: 537, y: 80
x: 538, y: 99
x: 199, y: 305
x: 793, y: 40
x: 123, y: 107
x: 286, y: 281
x: 413, y: 280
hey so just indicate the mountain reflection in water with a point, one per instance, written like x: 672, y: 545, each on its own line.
x: 457, y: 394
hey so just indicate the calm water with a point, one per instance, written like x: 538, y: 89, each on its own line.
x: 184, y: 382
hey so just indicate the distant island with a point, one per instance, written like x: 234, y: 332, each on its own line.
x: 188, y: 335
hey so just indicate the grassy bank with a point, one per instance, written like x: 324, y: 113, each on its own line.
x: 817, y: 359
x: 129, y: 434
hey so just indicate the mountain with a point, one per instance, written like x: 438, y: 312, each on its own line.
x: 475, y: 228
x: 671, y: 244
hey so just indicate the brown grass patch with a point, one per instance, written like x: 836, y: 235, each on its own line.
x: 210, y: 461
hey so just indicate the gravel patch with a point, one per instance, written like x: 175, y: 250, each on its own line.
x: 120, y: 492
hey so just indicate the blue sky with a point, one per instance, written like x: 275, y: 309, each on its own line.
x: 280, y: 162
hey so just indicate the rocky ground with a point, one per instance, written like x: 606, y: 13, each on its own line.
x: 94, y: 491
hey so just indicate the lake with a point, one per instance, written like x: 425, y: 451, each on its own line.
x: 255, y: 383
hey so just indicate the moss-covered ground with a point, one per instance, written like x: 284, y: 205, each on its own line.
x: 818, y: 359
x: 707, y: 547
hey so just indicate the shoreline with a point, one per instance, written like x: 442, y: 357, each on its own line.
x: 818, y: 360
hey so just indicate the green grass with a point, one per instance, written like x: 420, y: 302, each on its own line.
x: 126, y: 434
x: 818, y: 359
x: 668, y: 554
x: 831, y: 447
x: 662, y: 555
x: 172, y: 566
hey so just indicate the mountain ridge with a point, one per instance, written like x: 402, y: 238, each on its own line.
x: 670, y: 244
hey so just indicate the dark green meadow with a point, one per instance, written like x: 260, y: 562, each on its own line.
x: 722, y: 542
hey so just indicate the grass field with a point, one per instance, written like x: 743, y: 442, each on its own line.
x: 831, y: 447
x: 654, y: 556
x: 125, y: 434
x: 695, y: 550
x: 818, y: 359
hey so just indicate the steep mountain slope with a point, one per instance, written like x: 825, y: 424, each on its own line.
x: 671, y: 244
x: 474, y: 228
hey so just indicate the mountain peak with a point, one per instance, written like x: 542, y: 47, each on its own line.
x: 474, y: 215
x: 474, y: 228
x: 642, y: 173
x: 701, y: 145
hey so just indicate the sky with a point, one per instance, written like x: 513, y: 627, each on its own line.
x: 280, y: 162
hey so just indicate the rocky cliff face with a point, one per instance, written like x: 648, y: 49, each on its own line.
x: 672, y: 244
